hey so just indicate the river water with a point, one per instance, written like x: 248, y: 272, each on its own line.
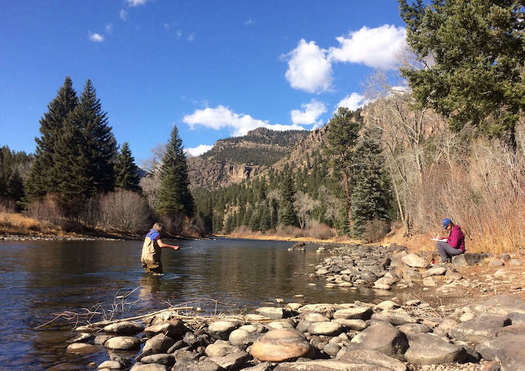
x: 39, y: 279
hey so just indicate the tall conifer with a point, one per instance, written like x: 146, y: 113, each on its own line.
x: 126, y: 171
x: 174, y: 195
x: 42, y: 178
x: 287, y: 214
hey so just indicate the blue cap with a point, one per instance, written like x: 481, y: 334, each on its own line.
x: 446, y: 222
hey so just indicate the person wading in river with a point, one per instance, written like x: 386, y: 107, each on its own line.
x: 452, y: 245
x: 151, y: 250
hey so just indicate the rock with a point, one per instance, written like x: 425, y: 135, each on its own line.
x: 383, y: 284
x: 251, y: 317
x: 436, y: 271
x: 497, y: 262
x: 414, y: 261
x: 429, y: 282
x: 220, y: 348
x: 83, y: 337
x: 508, y: 349
x: 148, y: 367
x: 284, y: 323
x: 244, y: 335
x: 178, y: 344
x: 517, y: 318
x: 280, y: 345
x: 327, y: 365
x: 352, y: 324
x: 501, y: 273
x: 162, y: 359
x: 411, y: 329
x: 396, y: 317
x: 387, y: 305
x: 222, y: 329
x: 270, y: 312
x: 101, y: 339
x: 110, y: 365
x: 371, y: 357
x: 325, y: 328
x: 445, y: 326
x: 331, y: 349
x: 501, y: 304
x: 81, y: 348
x: 195, y: 341
x: 479, y: 329
x: 382, y: 337
x: 314, y: 317
x: 205, y: 365
x: 429, y: 349
x: 125, y: 328
x: 459, y: 260
x: 363, y: 313
x: 232, y: 361
x: 326, y: 309
x: 466, y: 317
x: 175, y: 329
x: 157, y: 344
x: 122, y: 343
x: 185, y: 354
x: 413, y: 302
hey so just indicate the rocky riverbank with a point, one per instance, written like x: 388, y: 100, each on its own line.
x: 446, y: 324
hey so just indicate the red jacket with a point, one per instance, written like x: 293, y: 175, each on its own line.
x: 456, y: 238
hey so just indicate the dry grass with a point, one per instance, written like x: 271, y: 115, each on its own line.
x: 16, y: 223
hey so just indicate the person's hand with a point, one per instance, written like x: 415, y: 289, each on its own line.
x: 176, y: 247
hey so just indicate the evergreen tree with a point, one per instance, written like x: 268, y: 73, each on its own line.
x: 371, y: 191
x: 266, y: 218
x: 476, y: 75
x: 343, y: 132
x: 174, y: 198
x: 99, y: 145
x: 287, y: 215
x: 126, y: 171
x: 42, y: 178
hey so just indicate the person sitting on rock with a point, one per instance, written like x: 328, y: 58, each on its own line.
x: 454, y: 244
x: 151, y: 250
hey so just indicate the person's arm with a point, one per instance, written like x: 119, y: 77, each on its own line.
x: 453, y: 238
x: 164, y: 245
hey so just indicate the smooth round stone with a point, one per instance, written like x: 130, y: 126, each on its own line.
x: 101, y: 339
x: 280, y: 345
x: 110, y: 365
x: 387, y: 305
x: 220, y: 348
x: 325, y: 328
x: 352, y: 324
x: 270, y: 312
x: 293, y: 306
x: 314, y: 317
x: 275, y: 325
x: 125, y: 328
x: 122, y: 343
x: 222, y: 329
x: 354, y: 313
x: 242, y: 337
x: 81, y: 348
x: 255, y: 317
x: 148, y: 367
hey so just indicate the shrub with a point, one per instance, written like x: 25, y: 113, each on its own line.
x: 375, y: 230
x: 125, y: 211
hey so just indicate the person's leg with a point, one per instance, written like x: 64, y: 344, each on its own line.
x: 442, y: 251
x: 452, y: 251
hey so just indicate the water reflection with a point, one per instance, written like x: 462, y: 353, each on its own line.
x: 42, y: 278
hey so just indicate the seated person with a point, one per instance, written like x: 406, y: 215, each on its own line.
x: 454, y: 244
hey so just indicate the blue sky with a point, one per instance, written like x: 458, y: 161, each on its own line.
x: 213, y: 68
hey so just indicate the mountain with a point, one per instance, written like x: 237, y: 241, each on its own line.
x: 233, y: 160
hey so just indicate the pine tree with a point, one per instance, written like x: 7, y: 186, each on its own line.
x: 371, y: 191
x: 174, y: 198
x: 343, y: 132
x: 287, y: 215
x: 126, y: 171
x: 99, y: 147
x: 42, y: 178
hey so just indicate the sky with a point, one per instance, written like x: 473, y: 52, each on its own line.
x: 215, y: 69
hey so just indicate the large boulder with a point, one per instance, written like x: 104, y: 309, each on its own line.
x: 280, y: 345
x: 414, y: 261
x: 480, y: 328
x: 157, y: 344
x: 383, y: 337
x: 429, y: 349
x: 508, y: 349
x: 372, y: 357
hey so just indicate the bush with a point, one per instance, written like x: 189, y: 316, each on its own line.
x: 375, y: 230
x: 124, y: 211
x: 46, y: 209
x: 319, y: 230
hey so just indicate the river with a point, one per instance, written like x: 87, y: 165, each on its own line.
x: 39, y: 279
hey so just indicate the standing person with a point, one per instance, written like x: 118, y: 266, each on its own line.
x: 151, y: 250
x: 454, y: 244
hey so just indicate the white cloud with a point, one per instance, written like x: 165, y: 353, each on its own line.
x: 109, y: 28
x: 191, y: 37
x: 179, y: 34
x: 249, y: 22
x: 137, y: 2
x: 199, y: 150
x: 309, y: 68
x: 352, y: 101
x: 381, y: 47
x: 123, y: 14
x: 222, y: 117
x: 166, y: 26
x: 95, y: 37
x: 309, y: 114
